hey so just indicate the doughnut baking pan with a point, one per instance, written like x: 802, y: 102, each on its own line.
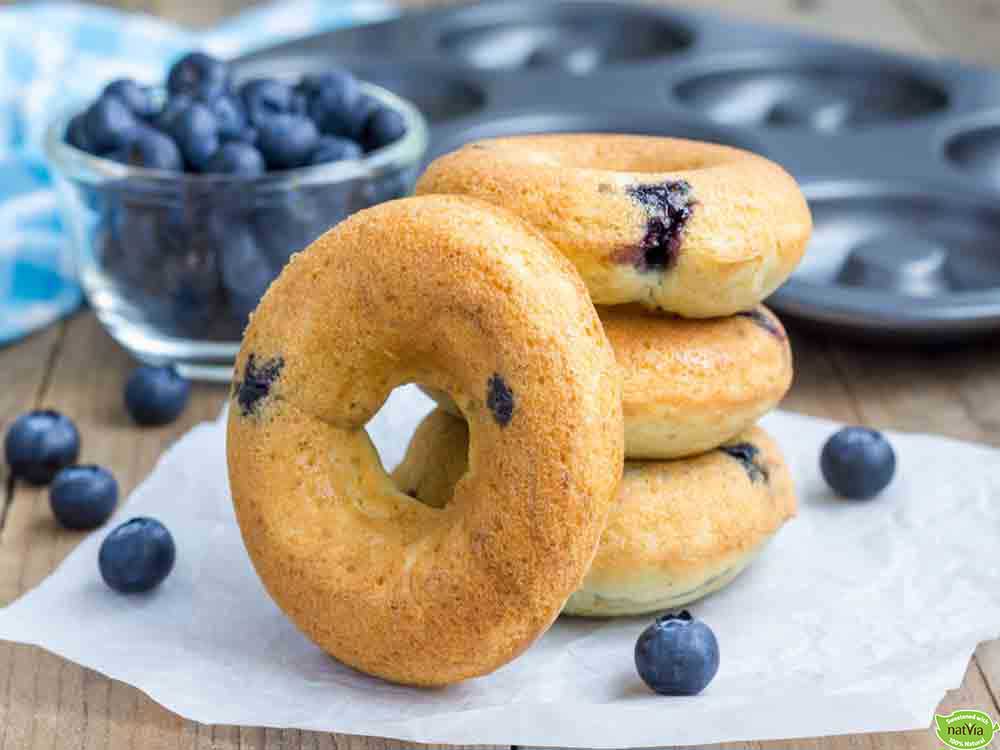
x: 899, y: 156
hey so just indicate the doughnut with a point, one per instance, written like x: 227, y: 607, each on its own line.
x: 697, y: 229
x: 463, y: 296
x: 690, y: 385
x: 679, y: 530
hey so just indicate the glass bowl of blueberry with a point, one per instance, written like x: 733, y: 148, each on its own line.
x: 184, y: 202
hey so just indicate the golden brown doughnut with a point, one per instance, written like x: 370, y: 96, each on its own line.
x: 690, y: 385
x: 693, y: 228
x: 679, y: 529
x: 463, y: 296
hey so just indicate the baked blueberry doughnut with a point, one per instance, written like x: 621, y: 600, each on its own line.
x: 693, y: 228
x: 461, y: 295
x: 679, y: 530
x: 690, y: 385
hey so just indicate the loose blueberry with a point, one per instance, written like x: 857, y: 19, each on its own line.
x: 286, y: 141
x: 83, y: 497
x: 197, y: 135
x: 264, y: 98
x: 230, y: 117
x: 858, y: 463
x: 334, y: 100
x: 153, y: 150
x: 156, y: 395
x: 39, y: 444
x: 110, y: 124
x: 237, y: 158
x: 384, y: 126
x: 139, y: 99
x: 137, y: 556
x: 677, y: 655
x: 331, y: 148
x: 76, y: 134
x: 198, y: 75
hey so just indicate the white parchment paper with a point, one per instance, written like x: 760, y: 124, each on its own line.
x: 857, y: 618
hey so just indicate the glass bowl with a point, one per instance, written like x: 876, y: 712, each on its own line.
x: 173, y: 263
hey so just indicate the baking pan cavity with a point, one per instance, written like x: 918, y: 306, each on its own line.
x: 977, y: 152
x: 573, y: 37
x: 826, y: 96
x: 643, y: 122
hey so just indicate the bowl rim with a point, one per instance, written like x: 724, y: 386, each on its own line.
x: 407, y: 151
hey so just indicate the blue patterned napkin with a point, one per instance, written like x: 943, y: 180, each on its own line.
x: 55, y: 52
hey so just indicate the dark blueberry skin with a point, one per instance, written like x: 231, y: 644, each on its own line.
x: 264, y: 97
x: 256, y: 384
x: 156, y: 395
x: 137, y: 556
x: 286, y: 141
x: 749, y: 457
x: 83, y: 497
x: 500, y: 400
x: 230, y: 117
x: 246, y: 273
x: 198, y: 75
x: 858, y: 463
x: 152, y: 149
x: 110, y: 124
x: 383, y: 126
x: 77, y: 136
x: 331, y: 148
x: 334, y: 102
x: 196, y: 132
x: 236, y: 158
x: 670, y: 206
x: 139, y: 99
x: 39, y: 444
x: 173, y: 107
x: 677, y: 655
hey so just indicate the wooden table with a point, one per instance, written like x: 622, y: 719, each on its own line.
x: 46, y: 702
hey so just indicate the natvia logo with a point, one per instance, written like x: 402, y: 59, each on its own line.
x: 965, y: 729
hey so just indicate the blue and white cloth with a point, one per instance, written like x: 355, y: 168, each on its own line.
x: 54, y: 52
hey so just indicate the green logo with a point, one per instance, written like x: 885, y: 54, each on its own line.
x: 965, y: 729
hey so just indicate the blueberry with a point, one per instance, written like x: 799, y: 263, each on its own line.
x: 83, y: 497
x: 39, y: 444
x: 230, y: 116
x: 285, y: 227
x: 171, y: 109
x: 77, y: 136
x: 335, y: 98
x: 137, y: 556
x: 366, y: 106
x: 677, y: 655
x: 109, y: 124
x: 264, y: 97
x: 198, y: 75
x: 331, y: 148
x: 246, y: 273
x: 383, y: 126
x: 139, y: 99
x: 196, y: 132
x: 299, y: 104
x: 153, y: 150
x: 286, y: 141
x: 238, y: 158
x: 858, y: 463
x: 156, y: 395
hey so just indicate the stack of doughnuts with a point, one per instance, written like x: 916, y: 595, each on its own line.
x: 586, y: 310
x: 678, y: 242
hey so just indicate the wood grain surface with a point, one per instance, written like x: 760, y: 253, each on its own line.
x: 48, y: 703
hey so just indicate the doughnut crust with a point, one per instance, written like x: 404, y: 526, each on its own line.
x: 693, y: 228
x: 679, y: 529
x: 690, y: 385
x: 465, y: 297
